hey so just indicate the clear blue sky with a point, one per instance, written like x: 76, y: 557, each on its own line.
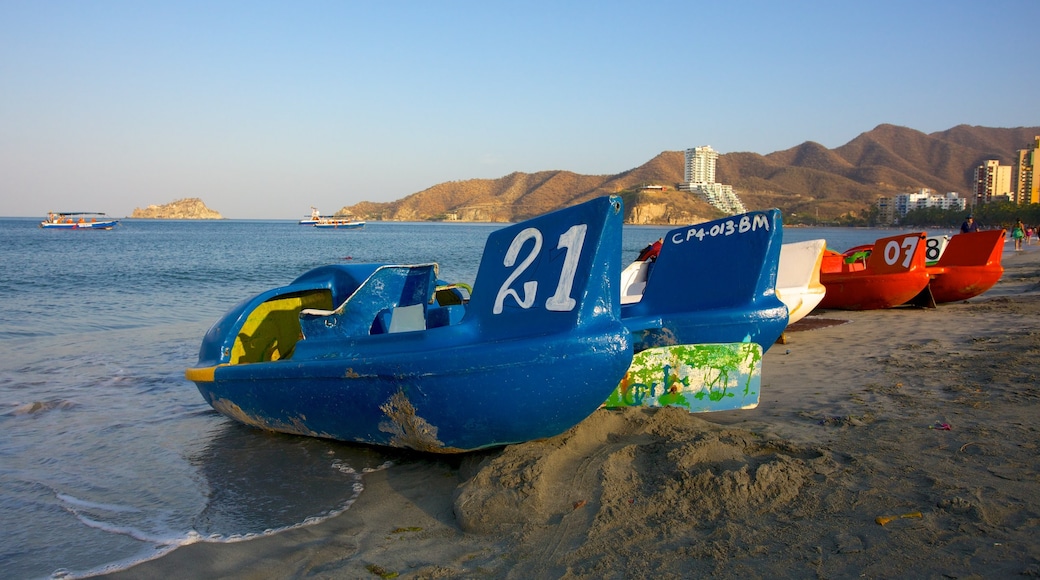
x: 263, y: 109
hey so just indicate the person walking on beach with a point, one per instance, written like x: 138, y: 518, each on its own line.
x: 1017, y: 233
x: 1029, y: 235
x: 969, y: 225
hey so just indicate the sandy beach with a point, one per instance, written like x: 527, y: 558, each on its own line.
x: 889, y: 443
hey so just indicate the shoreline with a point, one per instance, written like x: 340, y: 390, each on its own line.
x: 850, y: 429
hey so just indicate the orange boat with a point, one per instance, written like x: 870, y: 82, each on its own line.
x: 968, y: 266
x: 887, y: 274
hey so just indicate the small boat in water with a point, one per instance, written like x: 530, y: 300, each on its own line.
x: 314, y: 218
x: 78, y: 220
x: 888, y: 273
x: 338, y: 224
x: 388, y: 355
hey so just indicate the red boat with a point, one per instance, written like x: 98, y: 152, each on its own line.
x: 969, y: 266
x: 887, y: 274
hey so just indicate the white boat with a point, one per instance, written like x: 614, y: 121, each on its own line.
x: 314, y: 218
x: 798, y: 282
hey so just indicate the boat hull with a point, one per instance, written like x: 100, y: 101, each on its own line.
x: 104, y: 225
x: 969, y: 266
x: 694, y: 295
x: 893, y: 274
x: 399, y: 363
x: 441, y: 401
x: 798, y: 282
x: 339, y: 225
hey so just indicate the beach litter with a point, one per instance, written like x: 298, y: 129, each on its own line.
x: 882, y: 520
x: 940, y: 426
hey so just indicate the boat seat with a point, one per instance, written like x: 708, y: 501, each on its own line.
x: 392, y: 299
x: 445, y: 315
x: 452, y: 294
x: 399, y: 319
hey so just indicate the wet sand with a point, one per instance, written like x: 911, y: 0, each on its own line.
x: 925, y: 416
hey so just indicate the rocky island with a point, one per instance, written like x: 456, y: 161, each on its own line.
x: 190, y: 208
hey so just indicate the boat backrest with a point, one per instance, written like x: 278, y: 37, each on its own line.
x: 633, y: 281
x: 341, y: 279
x: 718, y: 264
x: 800, y: 264
x: 900, y: 253
x: 974, y: 249
x: 391, y: 292
x: 551, y: 273
x: 271, y: 330
x: 934, y: 248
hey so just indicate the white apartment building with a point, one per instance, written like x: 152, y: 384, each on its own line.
x: 891, y: 209
x: 700, y: 165
x: 699, y: 175
x: 925, y: 198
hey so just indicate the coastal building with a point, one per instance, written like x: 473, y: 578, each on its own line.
x: 926, y: 198
x: 886, y: 211
x: 699, y: 176
x: 1026, y: 185
x: 992, y: 182
x: 892, y: 209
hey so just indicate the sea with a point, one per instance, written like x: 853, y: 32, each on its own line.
x: 108, y: 455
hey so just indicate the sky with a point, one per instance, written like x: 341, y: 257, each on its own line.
x: 264, y: 109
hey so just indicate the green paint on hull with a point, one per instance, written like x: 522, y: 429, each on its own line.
x: 697, y: 377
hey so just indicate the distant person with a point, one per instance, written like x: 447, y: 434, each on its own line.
x: 1017, y: 233
x: 969, y: 225
x: 1029, y: 235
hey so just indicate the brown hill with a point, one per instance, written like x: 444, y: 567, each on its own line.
x: 190, y: 208
x: 808, y: 179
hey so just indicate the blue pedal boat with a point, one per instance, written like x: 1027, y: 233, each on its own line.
x: 376, y: 354
x: 713, y: 282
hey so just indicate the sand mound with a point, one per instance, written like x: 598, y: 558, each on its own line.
x: 645, y: 464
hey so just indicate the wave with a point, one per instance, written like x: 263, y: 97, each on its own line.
x: 160, y: 543
x: 37, y: 407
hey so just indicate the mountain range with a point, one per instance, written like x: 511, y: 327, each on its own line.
x: 806, y: 180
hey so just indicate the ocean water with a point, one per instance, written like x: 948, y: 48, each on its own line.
x: 108, y: 455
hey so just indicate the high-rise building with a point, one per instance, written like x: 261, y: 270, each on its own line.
x: 886, y: 211
x: 1026, y: 186
x: 992, y: 181
x: 699, y: 175
x: 700, y: 165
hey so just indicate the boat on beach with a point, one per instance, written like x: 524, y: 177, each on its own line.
x: 968, y: 266
x: 798, y: 280
x: 955, y: 268
x: 389, y: 355
x: 692, y: 293
x: 888, y: 273
x: 702, y: 311
x: 78, y: 220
